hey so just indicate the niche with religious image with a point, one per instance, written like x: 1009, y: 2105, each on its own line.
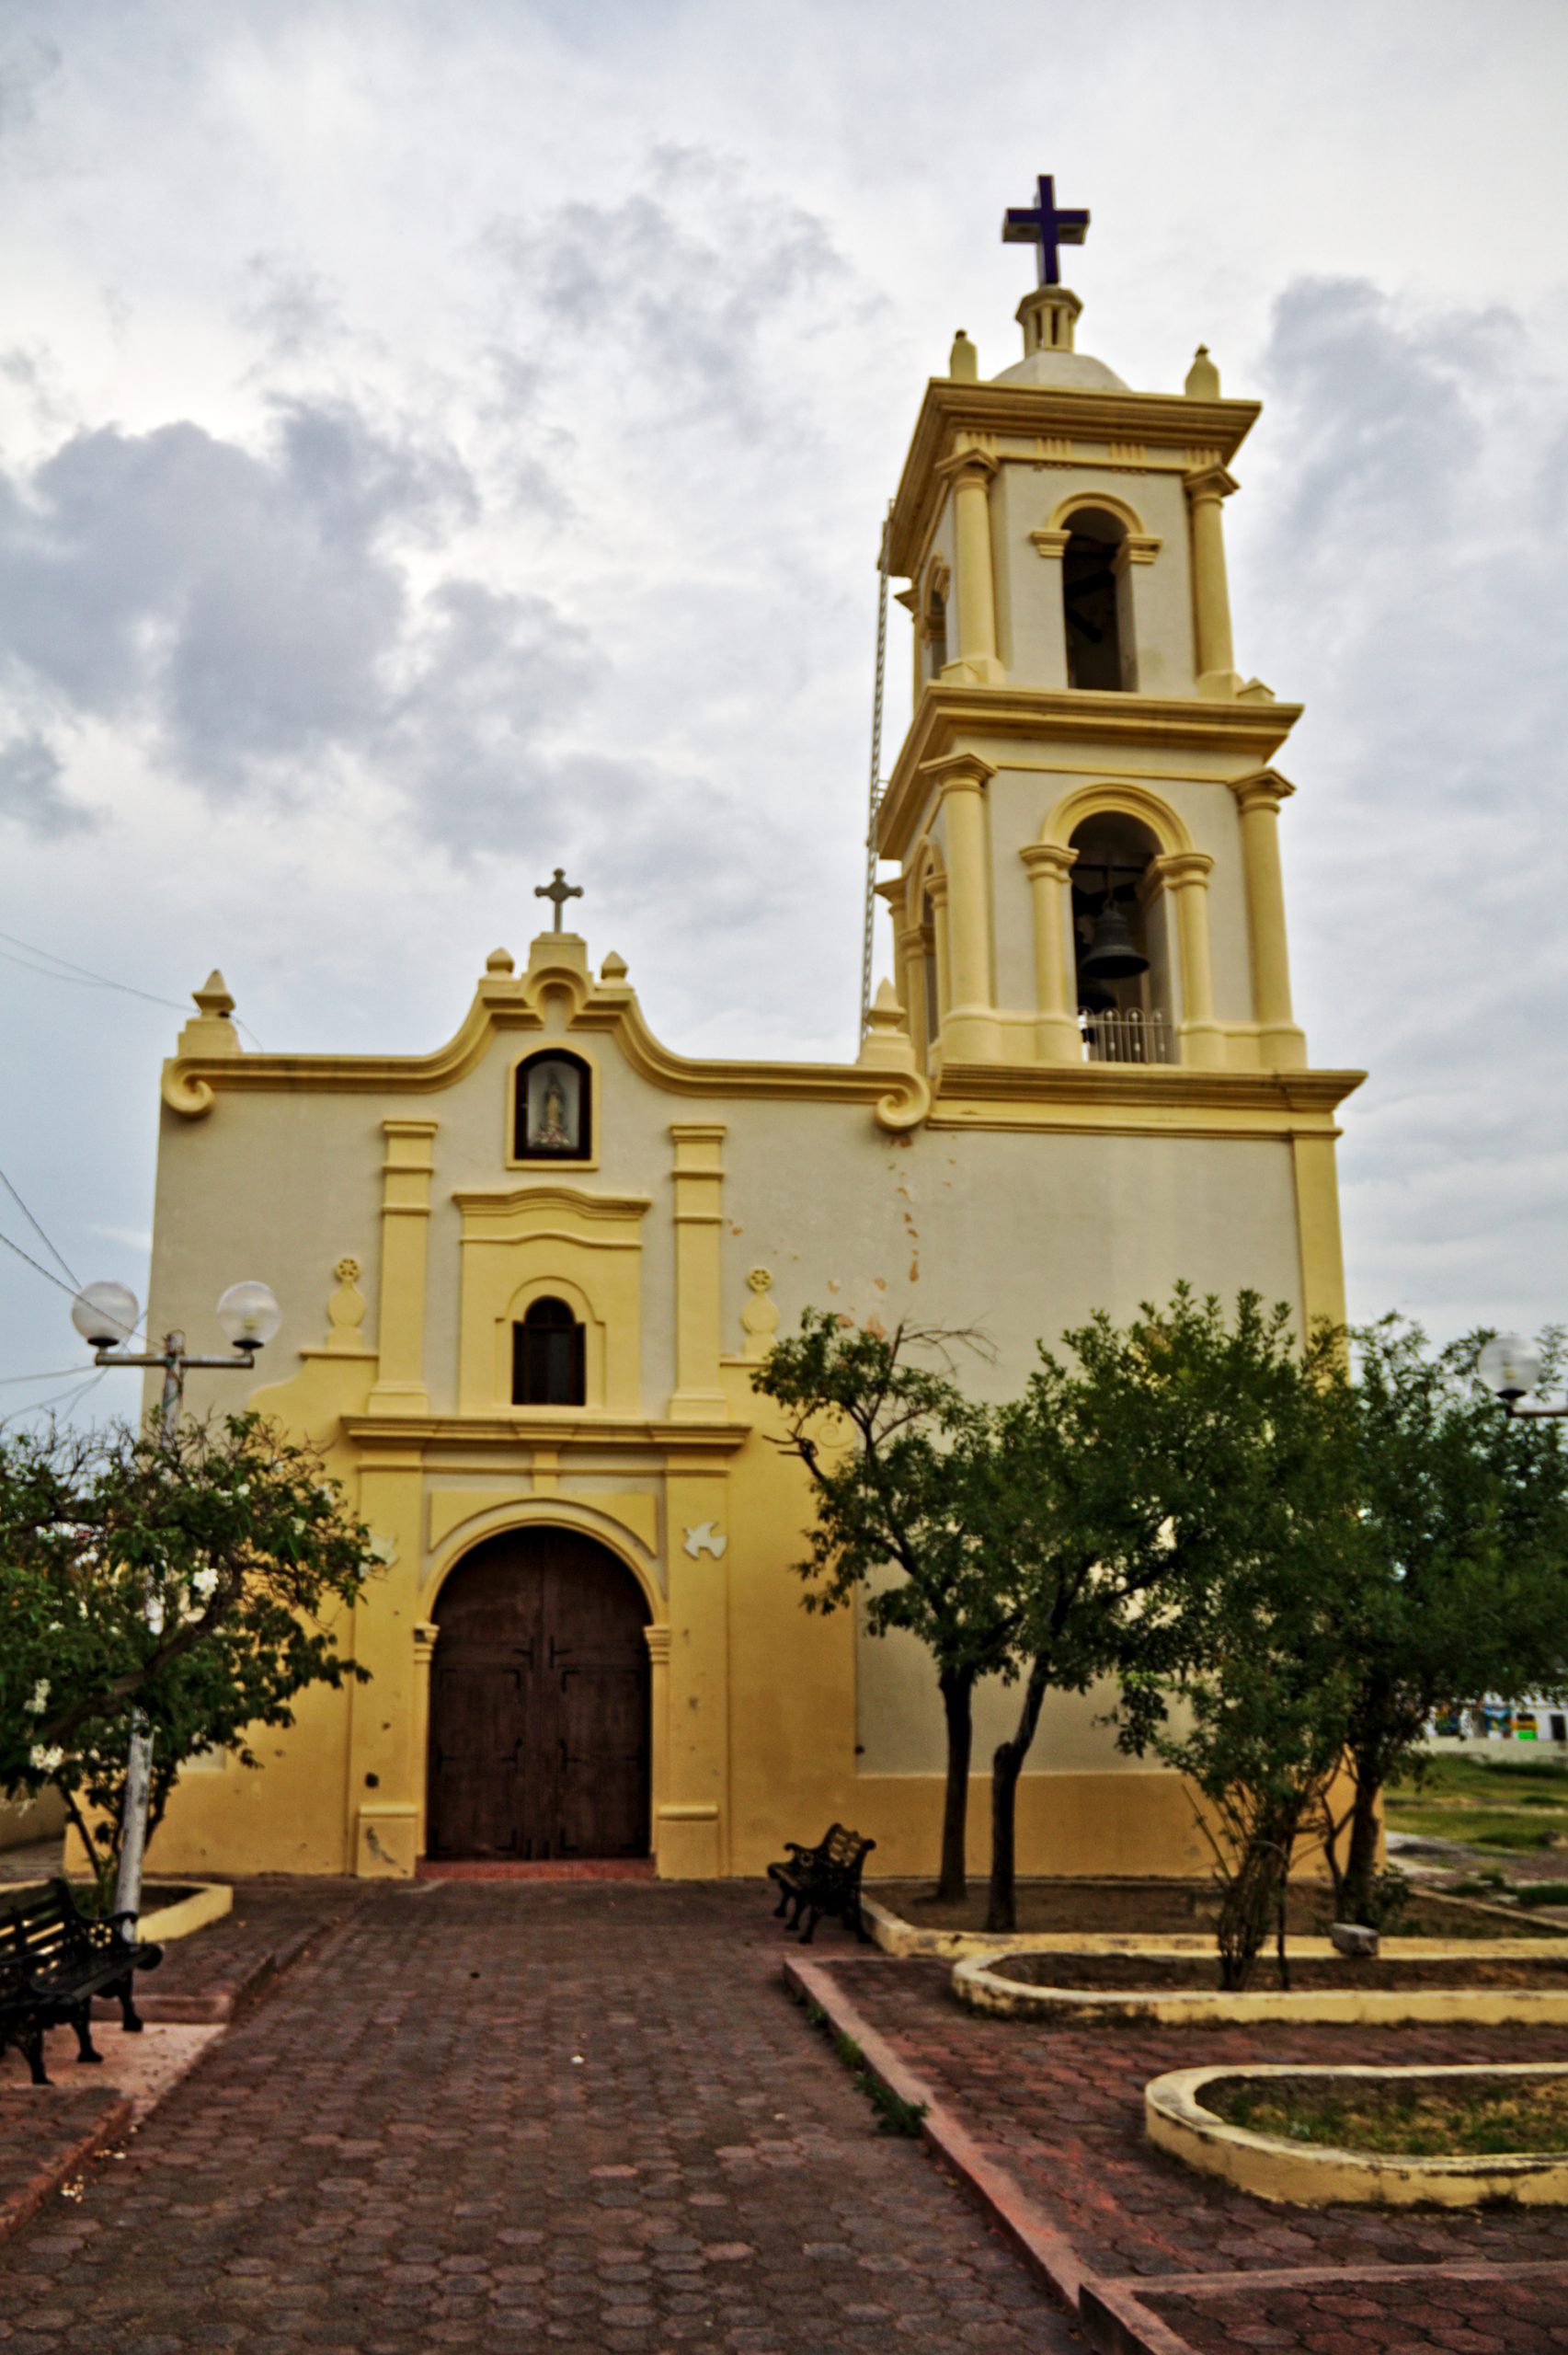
x: 553, y: 1113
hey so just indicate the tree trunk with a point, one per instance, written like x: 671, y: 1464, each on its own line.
x: 1007, y: 1764
x: 1362, y: 1863
x: 957, y: 1702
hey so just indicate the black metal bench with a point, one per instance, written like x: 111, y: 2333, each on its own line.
x: 53, y: 1960
x: 823, y: 1880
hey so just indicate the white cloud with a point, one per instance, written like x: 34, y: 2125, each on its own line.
x: 434, y: 450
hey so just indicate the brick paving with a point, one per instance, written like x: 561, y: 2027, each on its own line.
x: 512, y: 2116
x: 1061, y: 2108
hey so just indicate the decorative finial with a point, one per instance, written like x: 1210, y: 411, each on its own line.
x: 560, y: 891
x: 964, y: 361
x: 501, y: 961
x: 1041, y: 226
x: 215, y: 996
x: 614, y: 968
x: 1203, y: 377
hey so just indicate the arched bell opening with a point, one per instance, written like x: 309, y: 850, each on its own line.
x: 1123, y: 949
x: 1096, y: 606
x: 539, y: 1713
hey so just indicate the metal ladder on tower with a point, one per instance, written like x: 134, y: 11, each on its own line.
x: 874, y: 798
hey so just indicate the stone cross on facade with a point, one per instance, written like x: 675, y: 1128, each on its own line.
x: 1041, y: 226
x: 560, y: 891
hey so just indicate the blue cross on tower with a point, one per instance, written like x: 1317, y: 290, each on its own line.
x: 1041, y: 226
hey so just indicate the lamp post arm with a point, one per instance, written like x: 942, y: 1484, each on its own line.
x: 1537, y: 1410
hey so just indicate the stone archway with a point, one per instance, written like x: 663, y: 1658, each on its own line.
x: 539, y: 1741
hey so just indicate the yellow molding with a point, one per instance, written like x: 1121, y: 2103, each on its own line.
x: 1061, y: 1086
x: 191, y: 1084
x: 411, y: 1437
x: 1046, y: 412
x: 948, y: 713
x: 499, y: 1202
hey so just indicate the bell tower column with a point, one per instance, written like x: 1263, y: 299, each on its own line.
x: 1186, y: 874
x: 1218, y: 678
x: 1282, y: 1045
x: 1057, y: 1035
x: 968, y: 473
x: 969, y: 1026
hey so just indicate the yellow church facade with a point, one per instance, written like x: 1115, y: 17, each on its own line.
x: 527, y: 1278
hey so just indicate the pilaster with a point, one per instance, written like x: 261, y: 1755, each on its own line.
x: 691, y: 1822
x: 968, y: 1024
x: 699, y: 1396
x: 1186, y: 874
x: 1049, y: 868
x: 405, y: 1241
x: 1218, y: 677
x: 968, y: 474
x: 1282, y: 1046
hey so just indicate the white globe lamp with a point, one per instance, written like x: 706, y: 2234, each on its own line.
x: 1510, y: 1367
x: 250, y: 1316
x: 105, y: 1315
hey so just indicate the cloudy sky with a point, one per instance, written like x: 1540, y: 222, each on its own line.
x: 440, y: 442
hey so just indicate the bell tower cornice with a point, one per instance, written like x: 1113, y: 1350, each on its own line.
x: 1051, y: 425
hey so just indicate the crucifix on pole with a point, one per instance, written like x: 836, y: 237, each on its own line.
x: 560, y: 891
x: 1045, y: 227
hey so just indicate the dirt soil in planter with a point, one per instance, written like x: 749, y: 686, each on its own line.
x: 1128, y: 1907
x: 1174, y: 1974
x: 1437, y: 2119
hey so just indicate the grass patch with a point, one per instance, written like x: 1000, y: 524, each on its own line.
x: 1431, y: 2120
x: 1518, y: 1805
x: 894, y: 2114
x: 1541, y: 1892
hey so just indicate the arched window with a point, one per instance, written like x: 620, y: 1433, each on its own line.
x: 548, y: 1365
x: 1096, y: 604
x: 1122, y: 949
x: 553, y: 1112
x: 936, y: 631
x: 929, y: 974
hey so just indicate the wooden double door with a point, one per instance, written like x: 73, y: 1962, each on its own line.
x: 539, y: 1704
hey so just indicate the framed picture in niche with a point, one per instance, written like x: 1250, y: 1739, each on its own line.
x: 554, y: 1112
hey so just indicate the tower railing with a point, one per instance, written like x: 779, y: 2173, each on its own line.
x: 1125, y: 1034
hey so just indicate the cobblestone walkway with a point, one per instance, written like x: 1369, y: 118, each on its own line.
x: 513, y: 2116
x: 1061, y: 2108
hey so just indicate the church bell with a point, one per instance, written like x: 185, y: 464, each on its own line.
x: 1113, y: 955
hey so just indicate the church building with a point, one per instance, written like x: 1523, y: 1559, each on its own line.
x: 527, y: 1278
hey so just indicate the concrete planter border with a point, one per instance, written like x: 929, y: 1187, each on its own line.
x: 1303, y: 2174
x: 209, y: 1900
x: 983, y: 1988
x: 894, y: 1935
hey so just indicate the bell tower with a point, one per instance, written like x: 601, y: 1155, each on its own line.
x: 1085, y: 808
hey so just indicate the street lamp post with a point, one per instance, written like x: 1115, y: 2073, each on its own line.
x: 1510, y: 1367
x: 106, y: 1314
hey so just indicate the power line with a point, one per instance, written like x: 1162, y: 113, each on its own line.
x: 69, y: 1398
x: 84, y: 973
x: 47, y: 1273
x: 58, y: 1255
x: 82, y: 977
x: 55, y: 1373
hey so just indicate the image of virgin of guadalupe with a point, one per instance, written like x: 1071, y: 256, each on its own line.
x: 554, y: 1108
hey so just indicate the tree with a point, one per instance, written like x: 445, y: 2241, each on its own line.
x: 1137, y: 1481
x: 1264, y: 1688
x: 191, y: 1575
x: 896, y: 1456
x: 1462, y: 1588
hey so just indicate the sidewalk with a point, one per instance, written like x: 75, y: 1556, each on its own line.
x: 571, y: 2116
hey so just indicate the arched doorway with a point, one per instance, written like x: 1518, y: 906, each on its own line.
x: 539, y: 1703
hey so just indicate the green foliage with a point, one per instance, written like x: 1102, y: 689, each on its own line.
x: 191, y: 1575
x: 1463, y: 1579
x: 1265, y: 1545
x: 901, y: 1464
